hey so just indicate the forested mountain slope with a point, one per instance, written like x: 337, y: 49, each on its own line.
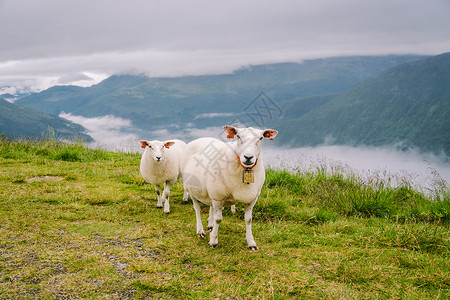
x: 407, y: 105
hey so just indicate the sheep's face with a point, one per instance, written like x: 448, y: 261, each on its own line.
x: 248, y: 142
x: 156, y: 148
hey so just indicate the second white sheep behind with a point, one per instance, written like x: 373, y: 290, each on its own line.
x: 160, y: 166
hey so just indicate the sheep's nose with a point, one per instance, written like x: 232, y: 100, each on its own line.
x: 248, y: 157
x: 158, y: 158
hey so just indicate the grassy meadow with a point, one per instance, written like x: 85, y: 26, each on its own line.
x: 82, y: 223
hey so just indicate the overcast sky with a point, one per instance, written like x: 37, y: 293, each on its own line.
x: 48, y: 42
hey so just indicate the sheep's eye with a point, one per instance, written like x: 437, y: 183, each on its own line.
x: 150, y: 147
x: 260, y: 138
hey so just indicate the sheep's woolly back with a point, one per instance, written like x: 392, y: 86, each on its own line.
x: 211, y: 170
x: 167, y: 170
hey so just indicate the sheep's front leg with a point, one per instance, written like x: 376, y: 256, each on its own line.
x: 165, y: 197
x: 159, y: 204
x: 248, y: 226
x: 214, y: 235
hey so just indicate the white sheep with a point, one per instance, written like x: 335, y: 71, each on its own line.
x: 160, y: 165
x: 222, y: 174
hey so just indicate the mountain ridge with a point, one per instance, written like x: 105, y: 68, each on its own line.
x: 407, y: 105
x: 168, y: 103
x: 320, y: 99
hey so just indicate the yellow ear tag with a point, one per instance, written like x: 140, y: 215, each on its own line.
x: 248, y: 176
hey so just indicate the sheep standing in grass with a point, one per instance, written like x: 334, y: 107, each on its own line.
x: 222, y: 174
x: 160, y: 166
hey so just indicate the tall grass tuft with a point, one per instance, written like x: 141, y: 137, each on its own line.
x: 72, y: 151
x: 349, y: 195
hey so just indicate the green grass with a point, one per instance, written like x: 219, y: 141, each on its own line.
x: 80, y: 223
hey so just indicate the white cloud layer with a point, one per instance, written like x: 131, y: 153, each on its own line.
x: 393, y: 167
x: 213, y: 115
x: 51, y: 42
x: 369, y: 163
x: 108, y: 132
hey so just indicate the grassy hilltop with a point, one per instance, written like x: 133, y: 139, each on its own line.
x: 81, y: 223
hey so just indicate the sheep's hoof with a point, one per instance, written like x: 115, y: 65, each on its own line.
x: 210, y: 227
x: 213, y: 245
x: 201, y: 235
x: 159, y: 206
x: 253, y: 248
x: 167, y: 212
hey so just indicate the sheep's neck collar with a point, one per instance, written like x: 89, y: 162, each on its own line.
x: 246, y: 168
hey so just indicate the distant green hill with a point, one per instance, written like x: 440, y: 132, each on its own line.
x: 171, y: 103
x: 18, y: 121
x: 408, y: 105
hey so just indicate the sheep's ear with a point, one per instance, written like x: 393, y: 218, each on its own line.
x: 168, y: 144
x: 270, y: 134
x: 230, y: 130
x: 143, y: 144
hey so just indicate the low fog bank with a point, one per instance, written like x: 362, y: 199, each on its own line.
x: 118, y: 134
x: 423, y: 171
x: 108, y: 132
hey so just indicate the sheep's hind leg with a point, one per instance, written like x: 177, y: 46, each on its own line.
x: 214, y: 235
x: 211, y: 218
x: 185, y: 193
x: 200, y: 230
x: 185, y: 196
x: 159, y: 204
